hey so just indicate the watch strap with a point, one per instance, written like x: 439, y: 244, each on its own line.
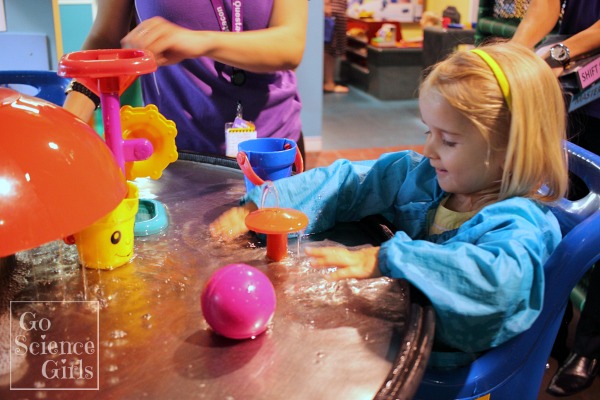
x: 553, y: 63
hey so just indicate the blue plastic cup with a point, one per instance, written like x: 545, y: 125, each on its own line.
x: 268, y: 159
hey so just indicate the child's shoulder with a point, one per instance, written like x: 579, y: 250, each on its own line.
x: 521, y: 209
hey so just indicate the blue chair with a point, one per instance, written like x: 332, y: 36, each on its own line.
x: 47, y: 85
x: 515, y: 369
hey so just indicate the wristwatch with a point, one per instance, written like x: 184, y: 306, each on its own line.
x: 560, y: 53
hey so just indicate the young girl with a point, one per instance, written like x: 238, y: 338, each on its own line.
x: 473, y: 230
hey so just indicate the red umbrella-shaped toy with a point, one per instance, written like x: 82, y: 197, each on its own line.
x: 57, y: 176
x: 276, y: 223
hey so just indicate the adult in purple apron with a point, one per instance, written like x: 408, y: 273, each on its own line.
x: 212, y: 55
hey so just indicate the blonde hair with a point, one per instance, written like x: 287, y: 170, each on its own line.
x: 531, y: 132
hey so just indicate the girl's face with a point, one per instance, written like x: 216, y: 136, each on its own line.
x: 457, y: 150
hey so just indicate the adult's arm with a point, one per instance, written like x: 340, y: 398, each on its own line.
x: 278, y: 47
x: 542, y: 16
x: 540, y: 19
x: 349, y: 191
x: 584, y: 41
x: 112, y: 22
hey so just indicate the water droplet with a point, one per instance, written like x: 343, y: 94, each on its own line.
x: 118, y: 334
x: 112, y: 368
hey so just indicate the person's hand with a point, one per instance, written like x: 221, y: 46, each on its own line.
x: 558, y: 71
x: 349, y: 264
x: 231, y: 223
x: 554, y: 66
x: 169, y: 42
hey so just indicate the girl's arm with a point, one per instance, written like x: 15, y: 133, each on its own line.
x: 486, y: 283
x: 359, y: 264
x: 343, y: 191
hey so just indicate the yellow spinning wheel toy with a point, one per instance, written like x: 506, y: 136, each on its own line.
x: 148, y: 123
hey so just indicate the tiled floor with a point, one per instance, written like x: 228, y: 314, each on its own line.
x: 357, y: 126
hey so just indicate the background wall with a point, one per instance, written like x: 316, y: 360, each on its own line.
x: 32, y: 39
x: 464, y: 7
x: 76, y: 18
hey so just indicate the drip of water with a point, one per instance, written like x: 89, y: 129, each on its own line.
x: 84, y: 282
x: 269, y: 189
x: 299, y: 242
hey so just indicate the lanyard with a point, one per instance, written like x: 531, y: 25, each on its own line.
x: 236, y: 15
x: 238, y: 76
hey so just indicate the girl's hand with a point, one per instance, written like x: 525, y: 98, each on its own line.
x: 169, y: 42
x: 350, y: 264
x: 231, y: 223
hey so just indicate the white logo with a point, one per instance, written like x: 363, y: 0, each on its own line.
x: 59, y: 341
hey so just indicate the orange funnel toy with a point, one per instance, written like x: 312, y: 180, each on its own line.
x: 276, y: 223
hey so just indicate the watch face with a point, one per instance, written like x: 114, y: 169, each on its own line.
x: 559, y: 53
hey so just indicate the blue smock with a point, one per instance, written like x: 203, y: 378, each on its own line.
x: 484, y: 279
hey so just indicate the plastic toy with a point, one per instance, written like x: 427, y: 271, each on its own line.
x: 46, y: 84
x: 386, y: 36
x: 276, y: 223
x: 141, y: 139
x: 56, y: 176
x: 148, y: 123
x: 150, y: 219
x: 110, y: 72
x: 268, y: 159
x: 108, y: 242
x: 238, y: 301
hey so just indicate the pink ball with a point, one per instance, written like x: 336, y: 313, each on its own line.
x: 238, y: 301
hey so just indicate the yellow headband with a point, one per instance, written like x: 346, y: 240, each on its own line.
x: 500, y: 77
